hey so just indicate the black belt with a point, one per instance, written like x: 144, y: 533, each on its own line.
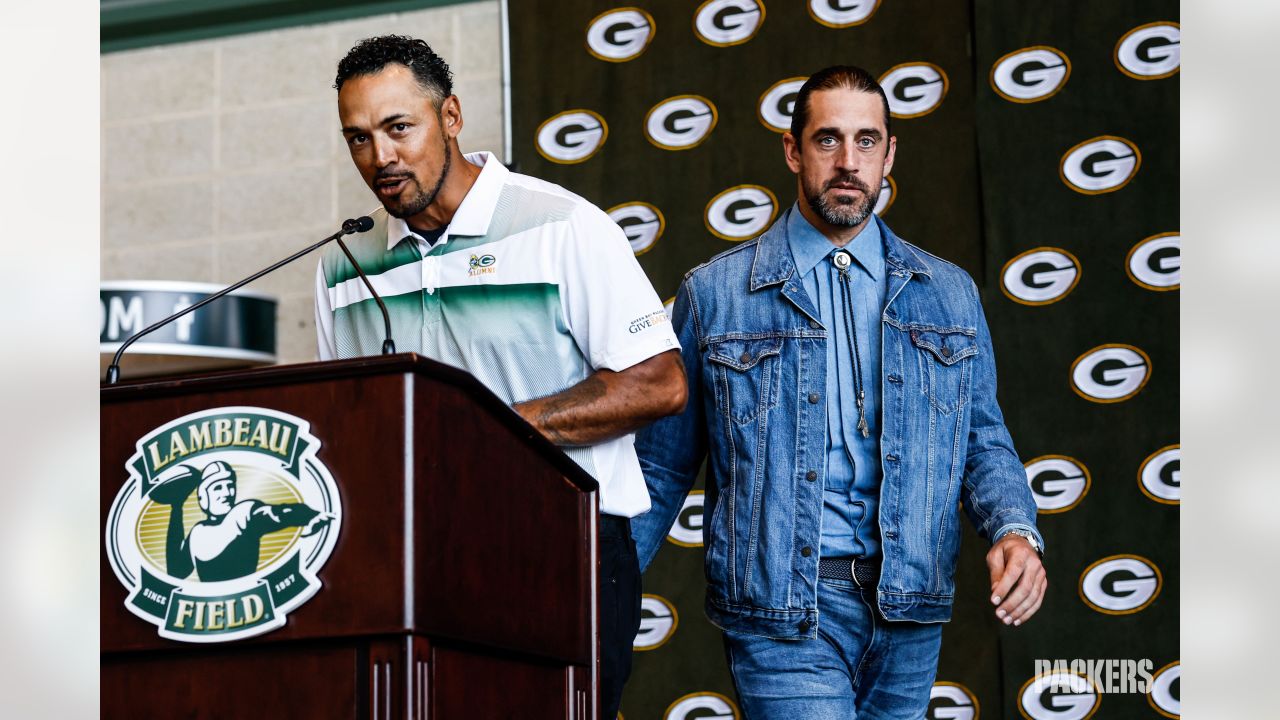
x: 614, y: 526
x: 863, y: 572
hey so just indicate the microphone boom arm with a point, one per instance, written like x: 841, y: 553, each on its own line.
x: 348, y: 227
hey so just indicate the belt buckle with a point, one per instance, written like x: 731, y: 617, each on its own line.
x: 853, y: 571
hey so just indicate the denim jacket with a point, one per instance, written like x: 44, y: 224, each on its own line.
x: 755, y: 355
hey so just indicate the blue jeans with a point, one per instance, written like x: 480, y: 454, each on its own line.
x: 860, y: 665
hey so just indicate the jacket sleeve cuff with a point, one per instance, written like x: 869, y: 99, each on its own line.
x: 1008, y: 527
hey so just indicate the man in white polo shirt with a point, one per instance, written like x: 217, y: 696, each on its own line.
x: 525, y: 285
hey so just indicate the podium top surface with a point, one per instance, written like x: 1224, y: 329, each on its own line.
x: 399, y: 364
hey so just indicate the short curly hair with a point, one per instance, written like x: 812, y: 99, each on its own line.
x: 371, y: 55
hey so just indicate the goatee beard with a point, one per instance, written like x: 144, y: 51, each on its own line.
x: 422, y: 201
x: 844, y: 212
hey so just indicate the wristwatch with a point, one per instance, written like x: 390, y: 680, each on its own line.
x: 1031, y: 538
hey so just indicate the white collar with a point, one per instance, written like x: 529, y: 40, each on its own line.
x: 476, y: 209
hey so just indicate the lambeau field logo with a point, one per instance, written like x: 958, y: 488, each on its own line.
x: 224, y: 522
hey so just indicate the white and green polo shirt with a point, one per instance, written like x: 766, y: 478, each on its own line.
x: 530, y: 289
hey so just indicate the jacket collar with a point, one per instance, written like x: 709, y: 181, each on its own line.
x: 773, y: 263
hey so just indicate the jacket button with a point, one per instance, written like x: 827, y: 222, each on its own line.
x: 811, y: 475
x: 813, y: 398
x: 746, y: 357
x: 946, y: 352
x: 891, y: 457
x: 894, y: 378
x: 804, y: 626
x: 815, y: 324
x: 806, y: 551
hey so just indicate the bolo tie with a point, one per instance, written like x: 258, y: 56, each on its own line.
x: 843, y: 260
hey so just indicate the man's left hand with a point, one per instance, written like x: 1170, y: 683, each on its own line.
x: 1018, y: 579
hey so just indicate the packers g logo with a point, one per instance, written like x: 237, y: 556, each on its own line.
x: 951, y: 701
x: 1030, y: 74
x: 1058, y: 482
x: 658, y: 622
x: 1155, y: 263
x: 722, y: 23
x: 681, y: 122
x: 702, y: 706
x: 1150, y: 52
x: 1101, y: 165
x: 1120, y: 584
x: 641, y: 222
x: 1058, y: 696
x: 223, y: 523
x: 620, y: 35
x: 914, y: 89
x: 888, y: 193
x: 777, y: 103
x: 686, y: 531
x: 571, y: 136
x: 1160, y: 476
x: 1166, y: 696
x: 842, y: 13
x: 741, y: 212
x: 1040, y: 276
x: 1110, y: 373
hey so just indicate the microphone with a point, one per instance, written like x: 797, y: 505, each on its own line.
x: 349, y: 227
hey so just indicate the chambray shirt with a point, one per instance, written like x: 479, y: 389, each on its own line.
x: 851, y: 497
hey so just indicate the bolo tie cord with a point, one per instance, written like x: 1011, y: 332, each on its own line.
x: 843, y: 260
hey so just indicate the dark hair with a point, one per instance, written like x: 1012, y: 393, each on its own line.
x: 371, y: 55
x: 849, y: 77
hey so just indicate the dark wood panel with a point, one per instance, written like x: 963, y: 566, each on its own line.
x: 507, y: 690
x: 278, y: 681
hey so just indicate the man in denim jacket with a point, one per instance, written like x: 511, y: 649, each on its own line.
x: 842, y: 383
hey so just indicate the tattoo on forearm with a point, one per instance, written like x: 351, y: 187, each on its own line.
x: 584, y: 393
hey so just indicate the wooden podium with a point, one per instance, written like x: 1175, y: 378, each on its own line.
x: 463, y: 579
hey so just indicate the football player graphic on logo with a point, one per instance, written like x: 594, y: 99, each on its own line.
x: 224, y: 546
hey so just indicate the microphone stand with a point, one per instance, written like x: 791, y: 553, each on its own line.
x: 356, y: 225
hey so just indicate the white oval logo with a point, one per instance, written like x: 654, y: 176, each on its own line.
x: 686, y: 531
x: 741, y: 212
x: 1110, y: 373
x: 1160, y: 475
x: 1151, y: 51
x: 658, y: 621
x: 777, y: 103
x: 1030, y: 74
x: 223, y: 524
x: 728, y: 22
x: 620, y: 35
x: 702, y: 706
x: 1040, y: 276
x: 1166, y: 691
x: 1059, y: 696
x: 681, y: 122
x: 842, y: 13
x: 951, y: 701
x: 641, y: 222
x: 914, y: 89
x: 1057, y: 482
x: 571, y: 136
x: 1155, y: 263
x: 888, y: 193
x: 1101, y: 165
x: 1120, y: 584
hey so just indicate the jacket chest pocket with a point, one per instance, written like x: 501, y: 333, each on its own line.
x: 746, y: 375
x: 942, y: 356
